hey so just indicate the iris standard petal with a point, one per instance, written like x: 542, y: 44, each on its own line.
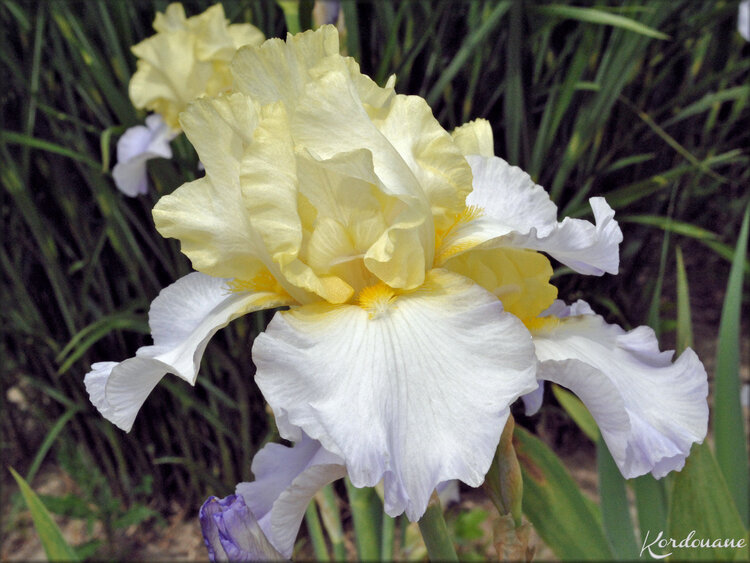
x: 475, y: 137
x: 186, y: 59
x: 412, y: 388
x: 183, y: 318
x: 649, y: 409
x: 286, y: 479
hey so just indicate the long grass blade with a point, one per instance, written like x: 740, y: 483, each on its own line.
x: 729, y: 433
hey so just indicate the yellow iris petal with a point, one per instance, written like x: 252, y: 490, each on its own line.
x: 518, y: 277
x: 186, y: 59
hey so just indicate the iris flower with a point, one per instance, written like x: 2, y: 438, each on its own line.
x: 411, y: 261
x: 187, y: 58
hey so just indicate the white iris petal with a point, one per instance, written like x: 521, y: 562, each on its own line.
x: 136, y: 146
x: 518, y: 213
x: 183, y: 318
x: 415, y: 391
x: 286, y: 479
x: 649, y: 409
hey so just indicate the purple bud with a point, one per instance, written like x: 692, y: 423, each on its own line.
x: 231, y: 532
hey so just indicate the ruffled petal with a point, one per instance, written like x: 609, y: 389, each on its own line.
x: 628, y: 385
x: 183, y: 318
x: 516, y: 212
x: 206, y: 215
x: 411, y: 388
x: 278, y: 70
x: 475, y: 137
x: 136, y: 146
x: 286, y: 479
x: 186, y: 59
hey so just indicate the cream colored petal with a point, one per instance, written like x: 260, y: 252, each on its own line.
x: 518, y: 277
x: 207, y: 215
x: 168, y: 75
x: 435, y: 160
x: 172, y: 19
x: 245, y: 34
x: 278, y: 70
x: 268, y: 177
x: 475, y: 137
x: 213, y: 229
x: 220, y: 129
x: 210, y: 28
x: 330, y: 120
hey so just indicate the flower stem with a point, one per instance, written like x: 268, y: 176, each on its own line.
x: 435, y: 532
x: 366, y: 521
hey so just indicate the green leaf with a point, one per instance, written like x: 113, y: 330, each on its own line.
x: 702, y: 506
x: 731, y: 444
x: 651, y: 503
x: 569, y: 523
x: 32, y: 142
x: 614, y: 502
x: 592, y: 15
x: 670, y: 225
x: 459, y: 61
x: 684, y: 322
x: 577, y: 411
x: 55, y: 546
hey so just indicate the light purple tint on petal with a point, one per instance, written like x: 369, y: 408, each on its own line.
x: 231, y: 532
x: 532, y: 402
x: 286, y: 479
x: 649, y: 408
x: 743, y: 19
x: 137, y: 145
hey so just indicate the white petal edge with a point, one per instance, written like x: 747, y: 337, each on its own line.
x: 416, y: 395
x: 532, y: 402
x: 286, y: 479
x: 519, y: 213
x: 136, y: 146
x: 183, y: 317
x: 649, y: 409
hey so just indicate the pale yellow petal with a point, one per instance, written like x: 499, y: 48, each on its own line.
x: 433, y: 157
x: 475, y: 137
x: 245, y: 34
x: 518, y: 277
x: 278, y: 70
x: 213, y: 230
x: 172, y: 19
x: 186, y: 59
x: 268, y: 177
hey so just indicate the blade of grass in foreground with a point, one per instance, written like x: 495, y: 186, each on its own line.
x: 700, y: 500
x: 614, y: 502
x: 568, y: 522
x: 55, y: 546
x: 731, y: 446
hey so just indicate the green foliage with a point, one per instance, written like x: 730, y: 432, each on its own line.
x: 731, y: 445
x: 702, y: 503
x: 55, y: 546
x: 645, y: 103
x: 568, y: 522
